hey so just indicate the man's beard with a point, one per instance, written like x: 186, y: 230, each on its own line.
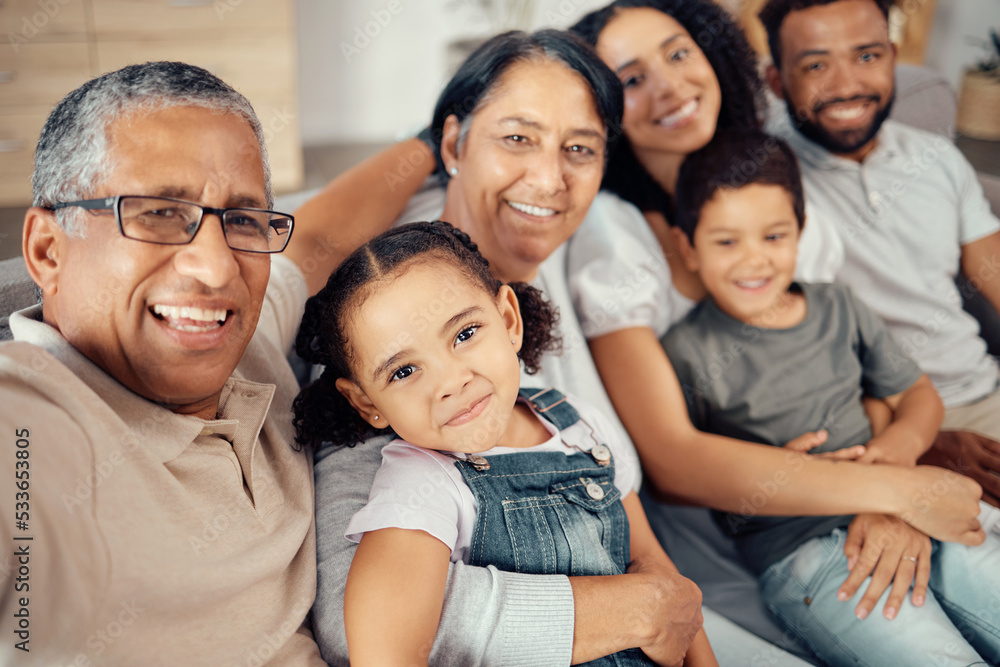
x: 846, y: 142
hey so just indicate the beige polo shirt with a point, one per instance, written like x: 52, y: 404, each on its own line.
x: 149, y: 537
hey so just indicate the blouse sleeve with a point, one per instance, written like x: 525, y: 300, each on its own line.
x: 618, y: 276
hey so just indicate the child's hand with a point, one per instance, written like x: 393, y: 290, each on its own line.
x: 813, y: 439
x: 890, y: 551
x: 892, y: 448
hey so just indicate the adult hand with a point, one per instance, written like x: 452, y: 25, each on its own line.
x: 940, y: 503
x: 892, y: 553
x: 813, y: 439
x: 969, y: 454
x: 677, y: 613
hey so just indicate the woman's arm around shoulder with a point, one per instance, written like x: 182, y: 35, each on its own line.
x: 723, y: 473
x: 356, y: 206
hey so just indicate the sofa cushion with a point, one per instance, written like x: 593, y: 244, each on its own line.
x: 17, y: 291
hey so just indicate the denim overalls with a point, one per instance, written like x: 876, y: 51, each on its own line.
x: 549, y: 513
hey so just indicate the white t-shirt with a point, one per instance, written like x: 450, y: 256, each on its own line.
x: 619, y: 277
x: 422, y: 489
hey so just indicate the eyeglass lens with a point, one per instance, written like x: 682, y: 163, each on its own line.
x: 158, y: 220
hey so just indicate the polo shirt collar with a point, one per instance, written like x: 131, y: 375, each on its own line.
x: 157, y: 429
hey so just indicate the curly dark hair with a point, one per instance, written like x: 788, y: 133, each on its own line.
x: 728, y: 52
x: 322, y: 413
x: 774, y: 12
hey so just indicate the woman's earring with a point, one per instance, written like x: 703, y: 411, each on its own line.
x: 453, y: 171
x: 376, y: 417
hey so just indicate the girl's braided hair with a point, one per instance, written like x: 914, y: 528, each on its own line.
x: 321, y: 412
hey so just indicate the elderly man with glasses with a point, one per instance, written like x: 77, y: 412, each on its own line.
x: 154, y: 501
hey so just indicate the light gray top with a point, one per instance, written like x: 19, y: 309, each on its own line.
x: 904, y: 215
x: 772, y: 385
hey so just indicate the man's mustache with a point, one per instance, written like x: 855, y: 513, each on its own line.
x: 819, y: 106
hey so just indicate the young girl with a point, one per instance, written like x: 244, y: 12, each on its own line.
x: 419, y: 339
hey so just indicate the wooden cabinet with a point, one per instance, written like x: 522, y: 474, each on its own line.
x: 56, y: 45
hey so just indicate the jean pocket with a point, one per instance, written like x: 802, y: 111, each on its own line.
x: 801, y: 574
x: 579, y: 528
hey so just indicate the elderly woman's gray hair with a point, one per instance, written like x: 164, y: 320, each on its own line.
x: 72, y: 157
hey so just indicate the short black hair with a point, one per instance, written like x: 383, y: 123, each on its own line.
x: 774, y: 12
x: 321, y: 413
x: 481, y: 72
x: 735, y: 159
x: 733, y: 61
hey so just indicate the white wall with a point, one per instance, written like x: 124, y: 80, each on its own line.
x: 353, y: 90
x: 954, y: 22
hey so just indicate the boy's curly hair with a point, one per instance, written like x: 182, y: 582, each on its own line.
x: 321, y: 412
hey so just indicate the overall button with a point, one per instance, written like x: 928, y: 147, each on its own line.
x: 595, y: 491
x: 601, y: 454
x: 479, y: 462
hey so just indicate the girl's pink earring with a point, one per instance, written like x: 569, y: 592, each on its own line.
x: 376, y: 417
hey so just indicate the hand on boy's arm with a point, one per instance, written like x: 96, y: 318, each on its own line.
x: 917, y: 415
x: 806, y: 442
x: 970, y: 454
x: 394, y: 595
x: 884, y: 548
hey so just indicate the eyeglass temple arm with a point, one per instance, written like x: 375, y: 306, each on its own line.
x: 91, y: 204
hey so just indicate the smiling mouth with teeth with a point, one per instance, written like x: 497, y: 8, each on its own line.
x: 537, y: 211
x: 679, y: 116
x: 190, y: 319
x: 752, y: 284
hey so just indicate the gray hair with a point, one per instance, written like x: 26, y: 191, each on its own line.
x: 72, y: 158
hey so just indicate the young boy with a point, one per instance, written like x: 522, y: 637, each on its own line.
x: 766, y: 359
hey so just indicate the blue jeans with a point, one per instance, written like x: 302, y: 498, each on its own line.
x: 959, y: 623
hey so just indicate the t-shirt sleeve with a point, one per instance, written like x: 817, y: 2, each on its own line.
x: 618, y: 276
x: 976, y: 219
x: 284, y: 303
x: 413, y: 490
x: 685, y: 361
x: 886, y: 369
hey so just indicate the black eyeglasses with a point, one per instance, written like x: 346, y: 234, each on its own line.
x: 175, y: 222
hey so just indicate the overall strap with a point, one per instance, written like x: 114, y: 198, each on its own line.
x: 552, y: 405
